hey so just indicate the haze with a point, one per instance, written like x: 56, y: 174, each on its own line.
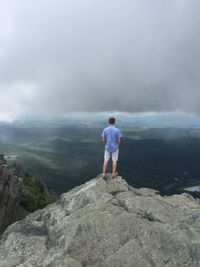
x: 96, y: 56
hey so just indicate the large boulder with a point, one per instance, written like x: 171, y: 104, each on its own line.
x: 107, y: 223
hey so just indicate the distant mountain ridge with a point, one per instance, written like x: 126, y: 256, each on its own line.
x: 107, y: 224
x: 145, y: 119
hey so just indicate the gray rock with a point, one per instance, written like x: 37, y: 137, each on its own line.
x: 10, y: 196
x: 13, y: 194
x: 107, y: 223
x: 2, y: 159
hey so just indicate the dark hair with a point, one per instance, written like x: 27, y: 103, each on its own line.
x: 111, y: 120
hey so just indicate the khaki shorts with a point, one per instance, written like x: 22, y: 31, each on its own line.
x: 114, y: 155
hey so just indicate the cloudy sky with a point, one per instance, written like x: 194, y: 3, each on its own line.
x: 60, y: 56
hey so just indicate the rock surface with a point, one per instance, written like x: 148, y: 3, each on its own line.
x: 14, y: 194
x: 107, y: 223
x: 10, y: 196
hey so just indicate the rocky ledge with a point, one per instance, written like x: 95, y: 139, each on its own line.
x: 10, y: 196
x: 107, y: 223
x: 20, y: 194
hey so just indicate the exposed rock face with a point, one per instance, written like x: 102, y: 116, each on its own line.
x: 107, y: 223
x: 10, y: 195
x: 14, y: 194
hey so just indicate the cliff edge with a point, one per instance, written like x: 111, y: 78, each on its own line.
x: 107, y: 223
x: 20, y: 194
x: 10, y: 196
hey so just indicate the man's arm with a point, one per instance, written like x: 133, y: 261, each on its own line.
x: 119, y: 137
x: 103, y: 137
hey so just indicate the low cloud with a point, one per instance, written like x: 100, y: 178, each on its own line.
x: 129, y: 56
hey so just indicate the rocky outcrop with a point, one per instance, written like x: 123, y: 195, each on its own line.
x: 16, y: 197
x: 10, y: 196
x: 107, y: 223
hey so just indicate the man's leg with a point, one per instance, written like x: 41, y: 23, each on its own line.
x: 105, y: 164
x: 114, y: 163
x: 114, y: 167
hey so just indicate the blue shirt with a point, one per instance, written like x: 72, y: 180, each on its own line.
x: 111, y: 134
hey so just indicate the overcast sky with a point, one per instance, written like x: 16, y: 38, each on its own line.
x: 99, y: 55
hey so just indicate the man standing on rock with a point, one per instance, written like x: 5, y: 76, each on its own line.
x: 111, y: 137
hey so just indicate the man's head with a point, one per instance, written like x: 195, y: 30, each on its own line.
x: 111, y: 120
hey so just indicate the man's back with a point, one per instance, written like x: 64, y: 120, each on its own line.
x: 111, y: 136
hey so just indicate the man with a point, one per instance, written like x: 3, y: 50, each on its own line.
x: 111, y: 137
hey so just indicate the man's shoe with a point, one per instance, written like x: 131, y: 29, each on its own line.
x: 114, y: 175
x: 103, y: 176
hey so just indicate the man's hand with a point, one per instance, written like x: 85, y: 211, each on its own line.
x: 119, y: 141
x: 103, y: 141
